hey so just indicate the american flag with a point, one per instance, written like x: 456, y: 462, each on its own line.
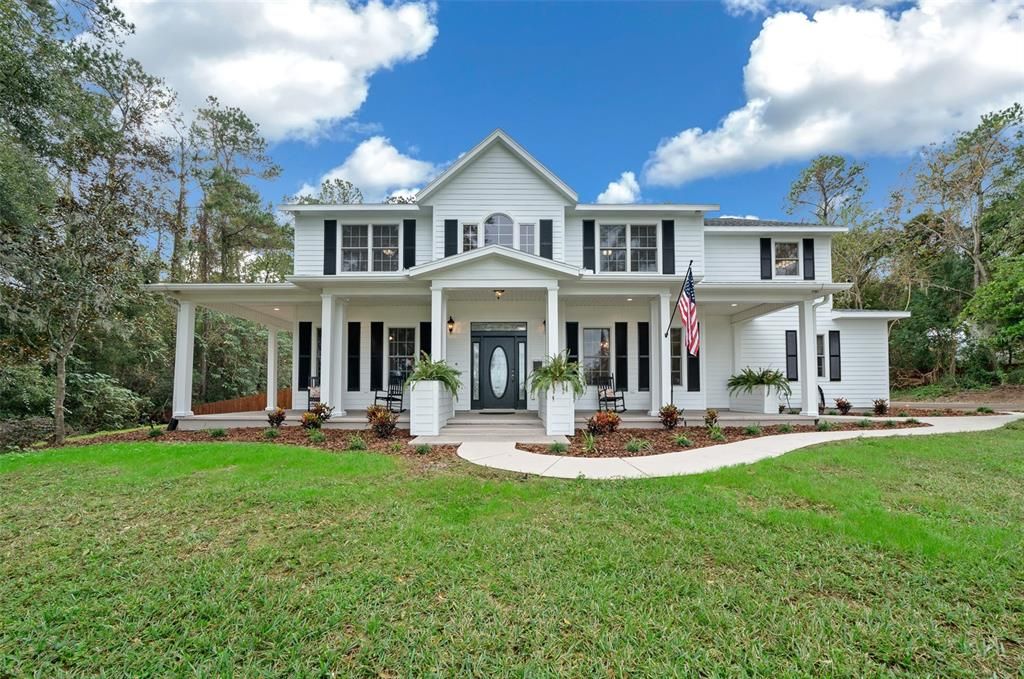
x: 687, y: 303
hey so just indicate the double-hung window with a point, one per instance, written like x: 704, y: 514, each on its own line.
x: 369, y: 247
x: 676, y: 342
x: 401, y: 352
x: 470, y: 240
x: 629, y: 247
x: 597, y: 355
x: 821, y: 355
x: 787, y: 258
x: 526, y: 238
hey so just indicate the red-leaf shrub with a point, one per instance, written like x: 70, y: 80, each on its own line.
x: 603, y: 422
x: 669, y: 415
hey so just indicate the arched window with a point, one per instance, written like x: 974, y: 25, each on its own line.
x: 498, y: 230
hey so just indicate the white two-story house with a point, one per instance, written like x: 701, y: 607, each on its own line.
x: 497, y: 265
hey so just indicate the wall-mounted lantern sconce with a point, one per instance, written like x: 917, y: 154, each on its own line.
x: 498, y: 294
x: 451, y: 325
x: 543, y: 325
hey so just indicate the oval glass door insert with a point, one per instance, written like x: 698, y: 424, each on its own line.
x: 499, y: 372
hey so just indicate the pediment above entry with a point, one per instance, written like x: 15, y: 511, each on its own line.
x: 495, y: 266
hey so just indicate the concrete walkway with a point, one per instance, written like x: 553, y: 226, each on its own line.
x: 504, y: 455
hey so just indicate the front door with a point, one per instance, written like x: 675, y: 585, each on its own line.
x: 499, y: 384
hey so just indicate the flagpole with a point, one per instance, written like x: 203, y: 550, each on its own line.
x: 676, y: 305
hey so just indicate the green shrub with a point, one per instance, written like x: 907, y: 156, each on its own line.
x: 315, y: 417
x: 382, y: 421
x: 271, y: 433
x: 395, y: 447
x: 317, y: 436
x: 889, y: 423
x: 589, y: 442
x: 715, y: 433
x: 603, y: 422
x: 557, y: 448
x: 825, y: 425
x: 913, y: 420
x: 682, y: 441
x: 985, y: 410
x: 752, y: 430
x: 902, y: 413
x: 96, y: 401
x: 217, y: 433
x: 669, y: 415
x: 356, y: 442
x: 864, y: 424
x: 833, y: 412
x: 155, y: 432
x: 20, y: 433
x: 423, y: 449
x: 635, y: 445
x: 785, y: 428
x: 25, y: 391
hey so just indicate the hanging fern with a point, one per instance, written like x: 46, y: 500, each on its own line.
x: 749, y: 379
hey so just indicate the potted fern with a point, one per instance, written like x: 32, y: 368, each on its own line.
x: 557, y: 383
x: 758, y: 391
x: 433, y: 388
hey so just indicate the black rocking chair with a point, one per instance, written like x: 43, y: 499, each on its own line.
x: 610, y: 398
x: 393, y: 399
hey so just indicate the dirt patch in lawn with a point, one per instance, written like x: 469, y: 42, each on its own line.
x: 665, y: 441
x: 337, y: 440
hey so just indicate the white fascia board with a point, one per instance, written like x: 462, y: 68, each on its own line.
x: 219, y: 287
x: 865, y: 314
x: 645, y: 207
x: 350, y: 207
x: 756, y: 229
x: 494, y: 251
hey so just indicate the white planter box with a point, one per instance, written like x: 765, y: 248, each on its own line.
x: 764, y: 400
x: 557, y: 410
x: 430, y: 408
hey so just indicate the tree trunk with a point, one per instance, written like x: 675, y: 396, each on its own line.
x: 58, y: 397
x: 180, y: 214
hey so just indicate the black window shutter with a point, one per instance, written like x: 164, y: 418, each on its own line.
x: 425, y: 337
x: 546, y: 230
x: 792, y: 372
x: 668, y: 246
x: 376, y: 355
x: 589, y: 249
x: 451, y: 237
x: 622, y: 356
x: 305, y: 353
x: 330, y: 247
x: 835, y: 370
x: 766, y: 259
x: 693, y: 370
x: 408, y: 243
x: 353, y: 355
x: 808, y: 259
x: 643, y: 356
x: 572, y: 340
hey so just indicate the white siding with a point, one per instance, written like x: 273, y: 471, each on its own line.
x: 738, y: 258
x: 864, y: 354
x: 309, y: 246
x: 498, y: 181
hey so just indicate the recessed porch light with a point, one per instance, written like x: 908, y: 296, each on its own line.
x: 734, y: 305
x: 498, y: 294
x: 629, y: 299
x: 277, y: 308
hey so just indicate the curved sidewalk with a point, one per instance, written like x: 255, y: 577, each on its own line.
x: 504, y: 455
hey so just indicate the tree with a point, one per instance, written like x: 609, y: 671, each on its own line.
x: 331, y: 192
x: 955, y: 180
x: 825, y: 186
x: 398, y: 199
x: 998, y: 307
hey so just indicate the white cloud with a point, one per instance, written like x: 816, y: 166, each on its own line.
x: 295, y: 66
x: 625, y: 190
x: 381, y: 170
x: 765, y: 6
x: 849, y: 80
x: 740, y: 217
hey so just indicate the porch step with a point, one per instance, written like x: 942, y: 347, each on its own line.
x: 519, y: 427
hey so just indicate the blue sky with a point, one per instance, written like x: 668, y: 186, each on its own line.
x: 702, y: 101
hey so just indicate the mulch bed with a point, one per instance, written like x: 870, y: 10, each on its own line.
x: 663, y: 441
x: 917, y: 412
x: 337, y: 441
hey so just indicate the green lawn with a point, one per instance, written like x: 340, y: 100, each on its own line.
x: 902, y: 556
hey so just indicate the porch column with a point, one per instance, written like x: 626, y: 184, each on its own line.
x: 656, y: 332
x: 551, y: 324
x: 184, y: 343
x: 326, y: 349
x: 438, y: 323
x: 808, y: 369
x: 665, y: 353
x: 271, y: 369
x: 337, y: 358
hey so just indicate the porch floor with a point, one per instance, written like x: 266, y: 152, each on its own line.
x: 353, y: 419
